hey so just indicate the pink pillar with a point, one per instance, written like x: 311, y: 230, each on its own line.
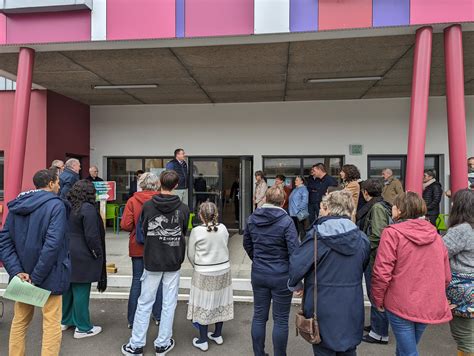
x: 419, y: 110
x: 455, y: 106
x: 21, y: 110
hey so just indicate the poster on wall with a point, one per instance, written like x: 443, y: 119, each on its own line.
x: 105, y: 191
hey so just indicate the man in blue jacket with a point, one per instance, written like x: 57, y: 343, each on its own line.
x: 33, y: 247
x: 69, y: 176
x: 318, y: 183
x: 179, y: 165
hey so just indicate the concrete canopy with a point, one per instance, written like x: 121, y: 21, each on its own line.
x: 243, y: 73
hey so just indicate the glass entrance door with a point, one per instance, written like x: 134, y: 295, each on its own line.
x: 246, y: 189
x: 206, y: 182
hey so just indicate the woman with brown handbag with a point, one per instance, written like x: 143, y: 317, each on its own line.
x: 342, y: 256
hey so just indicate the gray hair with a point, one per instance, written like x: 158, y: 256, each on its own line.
x: 71, y: 162
x: 388, y: 171
x: 92, y: 167
x: 149, y: 181
x: 339, y: 203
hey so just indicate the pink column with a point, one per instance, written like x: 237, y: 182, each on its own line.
x: 419, y: 110
x: 21, y: 110
x: 455, y: 106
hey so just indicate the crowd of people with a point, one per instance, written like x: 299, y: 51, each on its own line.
x: 317, y: 241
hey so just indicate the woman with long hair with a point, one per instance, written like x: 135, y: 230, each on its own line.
x: 350, y: 176
x: 459, y: 241
x: 411, y: 273
x: 211, y: 297
x: 86, y: 236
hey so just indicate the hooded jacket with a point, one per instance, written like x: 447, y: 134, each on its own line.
x: 130, y: 217
x: 411, y: 273
x: 66, y: 180
x: 33, y: 240
x: 164, y: 224
x: 270, y: 238
x: 342, y: 256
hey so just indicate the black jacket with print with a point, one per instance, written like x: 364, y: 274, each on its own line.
x: 164, y: 223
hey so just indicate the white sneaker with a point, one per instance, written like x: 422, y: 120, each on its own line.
x: 218, y: 340
x: 92, y: 332
x: 202, y: 346
x: 65, y: 327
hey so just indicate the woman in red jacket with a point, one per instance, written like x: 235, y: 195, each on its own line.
x: 411, y: 273
x: 149, y: 186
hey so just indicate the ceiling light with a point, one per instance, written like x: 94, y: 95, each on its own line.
x: 126, y: 86
x: 335, y: 80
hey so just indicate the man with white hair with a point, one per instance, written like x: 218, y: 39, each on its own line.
x: 392, y: 186
x: 69, y: 177
x: 94, y: 174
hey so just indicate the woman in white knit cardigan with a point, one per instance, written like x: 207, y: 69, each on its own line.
x: 211, y: 296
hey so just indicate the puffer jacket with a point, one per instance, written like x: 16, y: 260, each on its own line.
x: 432, y: 195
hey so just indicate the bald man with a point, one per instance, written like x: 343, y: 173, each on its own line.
x: 94, y: 174
x: 392, y: 186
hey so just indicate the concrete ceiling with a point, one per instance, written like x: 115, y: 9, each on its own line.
x: 243, y: 73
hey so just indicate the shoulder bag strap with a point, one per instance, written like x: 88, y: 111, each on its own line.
x: 315, y: 290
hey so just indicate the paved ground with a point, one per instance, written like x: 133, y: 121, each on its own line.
x: 110, y: 314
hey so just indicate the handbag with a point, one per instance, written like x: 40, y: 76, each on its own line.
x: 308, y: 328
x: 302, y: 215
x: 460, y: 294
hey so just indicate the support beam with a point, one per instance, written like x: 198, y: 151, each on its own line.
x: 453, y: 53
x: 419, y: 110
x: 21, y: 110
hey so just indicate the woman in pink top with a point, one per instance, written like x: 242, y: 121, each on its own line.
x: 411, y: 273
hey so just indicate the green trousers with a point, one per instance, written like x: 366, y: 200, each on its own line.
x: 76, y: 306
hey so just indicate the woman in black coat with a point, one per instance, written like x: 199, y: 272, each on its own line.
x: 86, y: 236
x: 432, y: 194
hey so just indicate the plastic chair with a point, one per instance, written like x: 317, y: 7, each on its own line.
x: 441, y: 222
x: 190, y: 222
x: 111, y: 213
x: 119, y: 217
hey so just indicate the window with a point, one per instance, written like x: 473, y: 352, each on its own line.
x: 293, y: 166
x: 397, y: 163
x: 2, y: 171
x: 122, y: 171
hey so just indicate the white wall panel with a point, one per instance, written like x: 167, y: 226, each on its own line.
x: 272, y: 16
x: 99, y: 21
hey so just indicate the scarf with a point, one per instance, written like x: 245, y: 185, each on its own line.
x: 427, y: 184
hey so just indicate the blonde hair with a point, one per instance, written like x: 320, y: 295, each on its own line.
x: 339, y: 203
x: 149, y: 181
x: 210, y: 215
x: 275, y: 195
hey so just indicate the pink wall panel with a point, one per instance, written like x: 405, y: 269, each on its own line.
x: 3, y: 29
x: 139, y: 19
x: 344, y: 14
x: 439, y: 11
x: 219, y: 18
x: 36, y: 136
x: 67, y: 115
x: 68, y: 26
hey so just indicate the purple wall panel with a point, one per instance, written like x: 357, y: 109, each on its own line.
x: 391, y: 12
x: 303, y: 15
x: 180, y: 11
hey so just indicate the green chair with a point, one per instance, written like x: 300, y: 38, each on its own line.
x: 441, y: 222
x: 190, y: 222
x: 111, y: 213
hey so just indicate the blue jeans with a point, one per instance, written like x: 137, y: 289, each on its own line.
x: 407, y: 333
x: 378, y: 320
x: 265, y: 290
x: 136, y: 288
x: 150, y: 284
x: 319, y: 350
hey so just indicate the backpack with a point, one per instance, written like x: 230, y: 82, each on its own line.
x: 139, y: 236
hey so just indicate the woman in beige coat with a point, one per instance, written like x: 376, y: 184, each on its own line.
x: 350, y: 176
x: 260, y: 189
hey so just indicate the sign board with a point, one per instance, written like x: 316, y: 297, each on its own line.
x: 105, y: 191
x: 355, y: 150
